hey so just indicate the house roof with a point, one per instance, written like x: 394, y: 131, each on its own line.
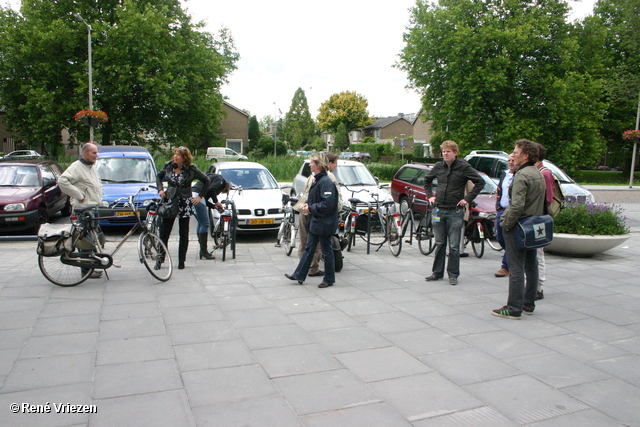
x: 381, y: 123
x: 235, y: 108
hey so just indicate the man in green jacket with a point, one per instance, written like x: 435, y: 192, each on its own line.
x: 527, y: 198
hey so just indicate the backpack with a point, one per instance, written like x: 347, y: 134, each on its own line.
x: 558, y: 196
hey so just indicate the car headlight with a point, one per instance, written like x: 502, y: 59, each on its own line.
x: 15, y: 207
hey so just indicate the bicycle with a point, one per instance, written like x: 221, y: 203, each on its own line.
x: 223, y: 228
x: 74, y: 267
x: 376, y: 224
x: 288, y: 231
x: 424, y: 229
x: 481, y: 229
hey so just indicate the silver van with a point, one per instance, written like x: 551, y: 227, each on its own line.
x: 222, y: 154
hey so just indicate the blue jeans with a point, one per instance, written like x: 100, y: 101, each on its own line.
x: 309, y: 251
x: 523, y: 267
x: 500, y: 239
x: 447, y: 229
x: 202, y: 215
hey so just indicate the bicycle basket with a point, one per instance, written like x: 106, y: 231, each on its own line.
x: 54, y: 239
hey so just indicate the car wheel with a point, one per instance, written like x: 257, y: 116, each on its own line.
x: 42, y: 218
x: 404, y: 205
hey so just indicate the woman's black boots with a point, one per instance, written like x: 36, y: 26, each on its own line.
x: 204, y: 253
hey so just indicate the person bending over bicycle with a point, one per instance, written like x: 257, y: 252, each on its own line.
x: 80, y: 181
x: 218, y: 185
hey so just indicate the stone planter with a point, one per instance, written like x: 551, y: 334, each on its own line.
x: 583, y: 246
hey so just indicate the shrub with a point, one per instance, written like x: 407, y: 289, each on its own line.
x: 591, y: 219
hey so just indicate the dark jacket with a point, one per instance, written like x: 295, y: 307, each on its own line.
x: 323, y: 206
x: 526, y: 196
x: 190, y: 174
x: 452, y: 182
x: 215, y: 187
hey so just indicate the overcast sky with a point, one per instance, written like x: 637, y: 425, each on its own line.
x: 322, y: 47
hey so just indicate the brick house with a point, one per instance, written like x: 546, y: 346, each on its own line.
x: 422, y: 134
x: 235, y: 128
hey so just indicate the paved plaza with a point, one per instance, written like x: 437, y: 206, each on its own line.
x: 235, y: 343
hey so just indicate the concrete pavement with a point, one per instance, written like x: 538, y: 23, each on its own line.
x: 235, y: 343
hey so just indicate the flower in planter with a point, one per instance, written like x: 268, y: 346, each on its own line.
x: 631, y: 134
x: 100, y: 116
x: 599, y: 219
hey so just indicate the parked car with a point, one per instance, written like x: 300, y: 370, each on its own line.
x: 351, y: 176
x: 412, y: 176
x: 494, y: 162
x: 30, y: 195
x: 345, y: 155
x: 123, y: 170
x: 304, y: 154
x: 221, y: 154
x: 361, y: 156
x: 21, y: 155
x: 259, y: 205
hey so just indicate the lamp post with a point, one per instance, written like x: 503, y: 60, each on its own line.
x: 79, y: 18
x: 275, y: 130
x: 635, y: 146
x: 402, y: 145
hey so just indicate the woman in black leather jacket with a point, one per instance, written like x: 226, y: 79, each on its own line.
x: 179, y: 173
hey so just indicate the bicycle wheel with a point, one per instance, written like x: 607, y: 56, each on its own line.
x: 377, y: 235
x: 224, y: 241
x: 424, y: 235
x: 155, y: 256
x: 394, y: 236
x: 217, y: 233
x: 285, y: 240
x: 493, y: 244
x: 478, y: 248
x: 58, y: 273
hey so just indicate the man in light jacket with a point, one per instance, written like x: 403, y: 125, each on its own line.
x: 527, y: 198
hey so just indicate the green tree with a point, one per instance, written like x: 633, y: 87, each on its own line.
x: 151, y: 66
x: 491, y: 72
x: 254, y: 133
x: 299, y: 127
x: 344, y: 107
x: 341, y: 138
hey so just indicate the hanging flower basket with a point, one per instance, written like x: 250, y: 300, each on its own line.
x: 91, y: 118
x: 632, y: 135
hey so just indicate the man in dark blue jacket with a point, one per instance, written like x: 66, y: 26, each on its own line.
x: 450, y: 201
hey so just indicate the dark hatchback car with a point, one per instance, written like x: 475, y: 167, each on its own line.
x: 29, y: 194
x: 412, y: 176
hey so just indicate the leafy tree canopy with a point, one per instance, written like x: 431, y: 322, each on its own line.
x: 344, y: 107
x: 299, y: 127
x: 493, y: 71
x: 155, y: 73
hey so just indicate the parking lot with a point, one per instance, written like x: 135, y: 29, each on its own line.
x: 235, y: 343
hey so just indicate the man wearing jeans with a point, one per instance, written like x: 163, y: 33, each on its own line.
x: 502, y: 202
x: 527, y: 195
x: 448, y: 214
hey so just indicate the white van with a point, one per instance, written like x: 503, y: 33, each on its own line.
x: 221, y: 154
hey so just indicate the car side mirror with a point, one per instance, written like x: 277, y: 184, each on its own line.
x: 377, y: 180
x: 49, y: 182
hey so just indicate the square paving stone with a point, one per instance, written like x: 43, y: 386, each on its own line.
x: 134, y: 350
x: 625, y: 367
x: 274, y: 336
x: 212, y: 386
x: 125, y: 379
x: 130, y: 311
x: 70, y: 308
x: 324, y: 320
x: 187, y: 333
x: 580, y: 347
x: 132, y: 328
x: 397, y: 321
x: 204, y: 313
x: 317, y: 392
x: 66, y: 325
x: 260, y: 411
x: 364, y: 307
x: 478, y: 417
x: 381, y: 363
x: 14, y: 338
x: 257, y: 317
x: 504, y: 344
x: 185, y: 300
x: 375, y: 414
x: 58, y: 345
x: 242, y: 302
x: 524, y: 399
x: 299, y: 359
x: 43, y: 372
x: 165, y: 408
x: 424, y: 396
x: 421, y: 342
x: 213, y: 355
x: 349, y: 339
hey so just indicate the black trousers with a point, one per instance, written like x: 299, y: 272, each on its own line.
x: 165, y: 231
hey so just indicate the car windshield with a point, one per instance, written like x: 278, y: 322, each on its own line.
x: 124, y: 170
x: 562, y: 177
x: 490, y: 186
x: 19, y: 176
x: 354, y: 175
x: 250, y: 179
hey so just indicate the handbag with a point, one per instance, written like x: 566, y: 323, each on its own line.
x: 168, y: 209
x: 534, y: 232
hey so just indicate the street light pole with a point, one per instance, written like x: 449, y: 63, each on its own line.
x: 275, y: 130
x: 635, y: 147
x: 79, y: 18
x: 402, y: 145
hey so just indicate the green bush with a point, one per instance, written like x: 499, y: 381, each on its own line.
x: 604, y: 177
x: 591, y: 219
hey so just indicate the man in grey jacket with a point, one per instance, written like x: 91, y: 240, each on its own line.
x: 527, y: 198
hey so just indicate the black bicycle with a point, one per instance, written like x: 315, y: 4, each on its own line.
x: 223, y: 227
x: 74, y: 266
x: 418, y: 225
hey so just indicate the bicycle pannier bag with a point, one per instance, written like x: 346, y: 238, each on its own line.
x: 54, y: 239
x: 534, y: 231
x: 168, y: 209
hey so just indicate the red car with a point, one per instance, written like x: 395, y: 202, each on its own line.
x: 412, y: 176
x: 29, y: 194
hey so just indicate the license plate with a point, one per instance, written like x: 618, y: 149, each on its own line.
x: 364, y: 211
x: 124, y: 213
x: 261, y: 221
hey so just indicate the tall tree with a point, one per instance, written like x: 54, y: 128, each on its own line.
x: 254, y: 132
x: 341, y: 138
x: 151, y: 66
x: 493, y: 71
x: 299, y: 127
x: 344, y: 107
